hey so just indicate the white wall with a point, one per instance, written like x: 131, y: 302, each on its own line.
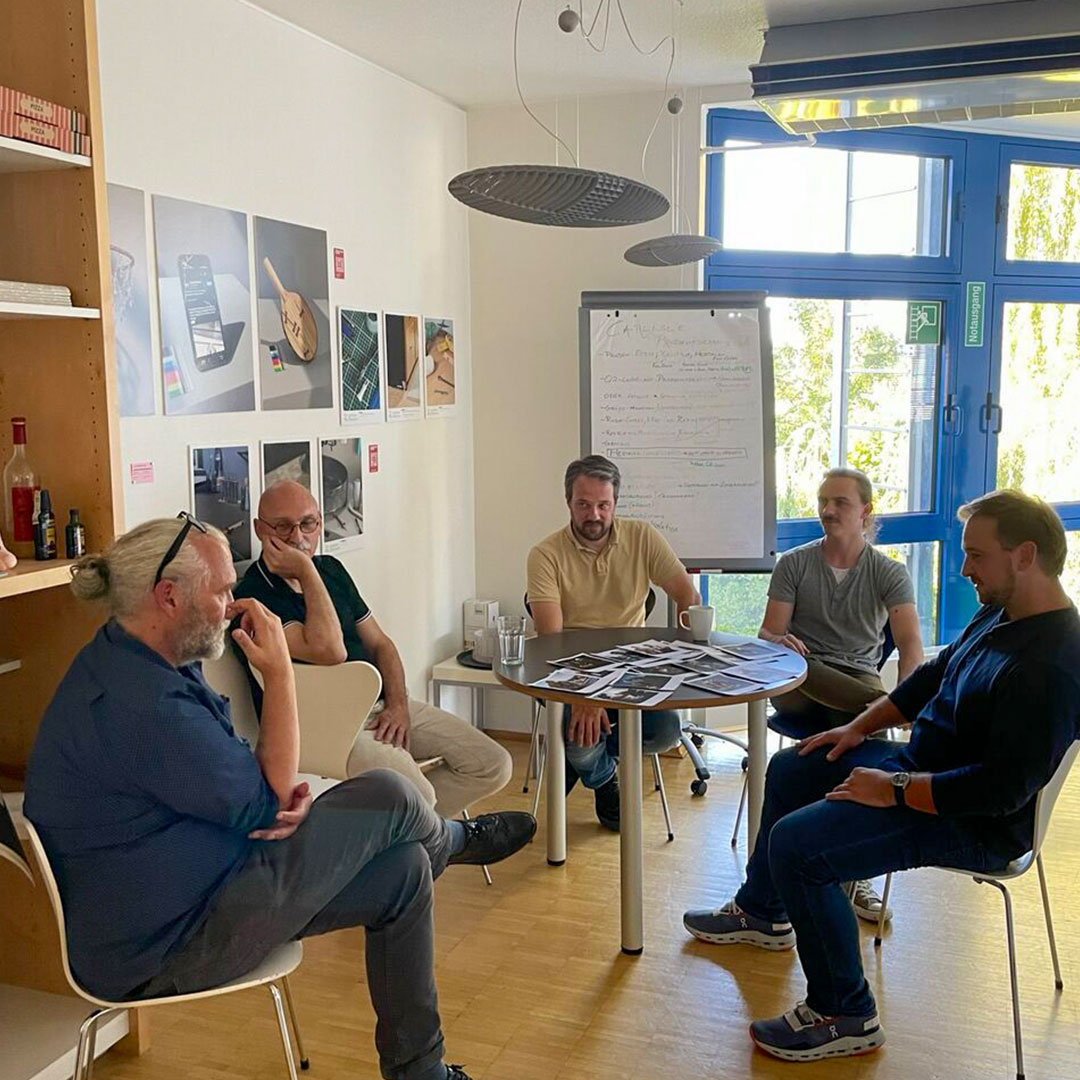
x: 218, y: 102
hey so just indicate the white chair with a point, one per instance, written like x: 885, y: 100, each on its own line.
x: 277, y: 967
x: 1044, y: 806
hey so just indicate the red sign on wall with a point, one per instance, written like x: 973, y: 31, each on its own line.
x: 373, y: 457
x: 339, y: 262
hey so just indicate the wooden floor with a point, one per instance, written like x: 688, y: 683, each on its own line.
x: 533, y: 986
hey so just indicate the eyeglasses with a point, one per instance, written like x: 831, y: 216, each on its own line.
x: 284, y: 529
x: 190, y: 523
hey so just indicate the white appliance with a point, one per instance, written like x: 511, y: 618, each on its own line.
x: 479, y: 615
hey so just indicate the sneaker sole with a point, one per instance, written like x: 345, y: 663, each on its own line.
x: 848, y: 1046
x: 779, y: 943
x: 870, y: 916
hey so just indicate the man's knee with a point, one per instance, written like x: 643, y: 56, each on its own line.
x: 376, y: 789
x: 499, y: 767
x: 784, y: 765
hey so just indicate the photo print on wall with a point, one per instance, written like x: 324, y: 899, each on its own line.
x: 342, y: 464
x: 361, y: 382
x: 440, y: 375
x: 403, y: 368
x: 221, y: 493
x: 293, y: 285
x: 204, y: 297
x: 131, y: 300
x: 287, y: 461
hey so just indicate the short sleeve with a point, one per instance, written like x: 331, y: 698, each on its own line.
x: 663, y: 563
x: 896, y: 587
x: 784, y: 582
x: 346, y: 587
x: 542, y: 577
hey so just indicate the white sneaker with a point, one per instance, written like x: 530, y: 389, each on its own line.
x: 867, y: 903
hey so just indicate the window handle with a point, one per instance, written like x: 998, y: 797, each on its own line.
x: 954, y: 416
x: 990, y: 416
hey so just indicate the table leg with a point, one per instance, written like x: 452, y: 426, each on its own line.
x: 436, y: 693
x: 480, y: 707
x: 555, y: 756
x: 631, y: 860
x: 755, y: 772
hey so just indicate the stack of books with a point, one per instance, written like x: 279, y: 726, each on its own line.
x: 33, y: 119
x: 28, y: 292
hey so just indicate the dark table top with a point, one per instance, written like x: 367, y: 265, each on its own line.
x: 538, y: 651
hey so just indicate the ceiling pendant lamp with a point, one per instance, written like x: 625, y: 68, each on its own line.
x: 559, y: 195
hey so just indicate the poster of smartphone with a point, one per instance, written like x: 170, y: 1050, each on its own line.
x: 203, y: 312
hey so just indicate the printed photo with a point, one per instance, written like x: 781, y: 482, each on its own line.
x: 131, y: 300
x: 204, y: 299
x: 342, y: 467
x: 723, y: 684
x: 358, y: 347
x: 441, y: 396
x: 402, y: 367
x: 705, y: 664
x: 630, y: 695
x: 638, y: 680
x: 286, y: 461
x: 582, y: 662
x: 663, y: 667
x: 750, y: 650
x: 293, y: 286
x: 221, y: 493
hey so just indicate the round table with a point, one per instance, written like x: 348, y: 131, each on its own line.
x: 538, y: 651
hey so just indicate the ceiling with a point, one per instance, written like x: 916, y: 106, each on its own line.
x: 463, y: 49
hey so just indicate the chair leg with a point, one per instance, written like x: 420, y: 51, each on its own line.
x: 541, y: 768
x: 659, y: 774
x: 739, y: 812
x: 304, y: 1063
x: 487, y: 872
x: 884, y: 907
x: 91, y: 1039
x: 1006, y: 896
x: 1049, y: 922
x: 86, y: 1033
x: 534, y: 746
x: 283, y: 1028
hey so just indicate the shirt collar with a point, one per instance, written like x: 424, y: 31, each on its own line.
x: 1051, y: 623
x: 115, y: 634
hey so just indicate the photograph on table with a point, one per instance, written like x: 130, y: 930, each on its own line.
x: 403, y: 368
x: 221, y: 493
x: 287, y: 461
x: 341, y: 463
x: 361, y: 371
x: 439, y: 372
x: 293, y: 287
x: 131, y: 300
x: 204, y: 300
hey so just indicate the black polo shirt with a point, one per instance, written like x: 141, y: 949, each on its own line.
x: 283, y: 600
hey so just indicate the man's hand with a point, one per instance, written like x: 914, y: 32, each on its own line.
x: 841, y: 739
x: 283, y: 559
x: 586, y: 724
x: 870, y: 787
x: 790, y: 641
x: 391, y: 726
x: 260, y: 636
x: 289, y: 818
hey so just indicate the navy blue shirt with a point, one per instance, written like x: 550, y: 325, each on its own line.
x: 143, y: 797
x: 993, y: 715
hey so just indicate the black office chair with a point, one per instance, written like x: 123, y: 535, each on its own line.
x: 538, y: 756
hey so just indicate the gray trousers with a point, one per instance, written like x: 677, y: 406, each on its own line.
x: 366, y: 856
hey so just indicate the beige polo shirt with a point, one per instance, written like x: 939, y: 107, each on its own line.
x: 606, y: 588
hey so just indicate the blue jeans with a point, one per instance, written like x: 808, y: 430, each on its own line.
x: 660, y: 731
x: 807, y: 847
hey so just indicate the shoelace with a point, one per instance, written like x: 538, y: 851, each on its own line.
x: 730, y: 908
x: 802, y: 1016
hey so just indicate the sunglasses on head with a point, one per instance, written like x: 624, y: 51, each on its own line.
x: 190, y: 522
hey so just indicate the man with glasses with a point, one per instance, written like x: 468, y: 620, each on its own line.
x: 327, y: 622
x: 184, y: 858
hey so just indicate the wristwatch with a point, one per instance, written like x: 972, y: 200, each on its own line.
x: 900, y: 781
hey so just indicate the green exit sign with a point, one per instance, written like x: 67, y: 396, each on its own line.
x: 923, y: 322
x: 974, y: 314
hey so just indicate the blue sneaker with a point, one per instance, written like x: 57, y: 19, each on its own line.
x: 806, y: 1035
x: 730, y: 925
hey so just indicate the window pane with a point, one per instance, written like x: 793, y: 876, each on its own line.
x: 921, y: 561
x: 811, y: 199
x: 1039, y: 444
x: 1044, y: 207
x: 850, y: 392
x: 1070, y: 576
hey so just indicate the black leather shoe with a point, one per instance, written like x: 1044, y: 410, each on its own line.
x: 607, y: 803
x: 490, y: 838
x: 456, y: 1072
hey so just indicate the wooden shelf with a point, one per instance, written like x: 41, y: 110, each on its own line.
x: 9, y: 665
x: 29, y: 576
x: 9, y: 310
x: 17, y: 156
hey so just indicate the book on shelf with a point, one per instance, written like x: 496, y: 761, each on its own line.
x: 29, y: 292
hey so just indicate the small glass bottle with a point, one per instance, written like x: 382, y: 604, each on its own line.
x: 45, y: 540
x: 19, y: 484
x: 74, y: 536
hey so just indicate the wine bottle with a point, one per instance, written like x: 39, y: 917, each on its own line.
x: 19, y: 484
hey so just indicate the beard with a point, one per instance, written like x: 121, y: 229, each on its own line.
x: 200, y: 639
x: 590, y: 530
x: 1000, y: 596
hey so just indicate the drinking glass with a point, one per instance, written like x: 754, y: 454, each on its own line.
x: 512, y: 639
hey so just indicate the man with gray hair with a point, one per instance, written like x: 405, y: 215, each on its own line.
x: 597, y: 572
x: 183, y: 858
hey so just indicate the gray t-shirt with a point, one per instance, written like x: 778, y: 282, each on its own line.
x: 840, y: 622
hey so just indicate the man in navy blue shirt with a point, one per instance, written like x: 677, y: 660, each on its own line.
x: 993, y: 715
x: 182, y: 857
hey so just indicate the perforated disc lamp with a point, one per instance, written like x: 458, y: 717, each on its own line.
x: 672, y: 250
x: 557, y: 195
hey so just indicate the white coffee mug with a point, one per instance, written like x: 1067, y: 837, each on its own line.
x: 701, y: 621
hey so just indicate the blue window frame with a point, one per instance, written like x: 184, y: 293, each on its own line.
x: 974, y: 208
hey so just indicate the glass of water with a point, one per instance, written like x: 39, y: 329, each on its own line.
x: 512, y: 639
